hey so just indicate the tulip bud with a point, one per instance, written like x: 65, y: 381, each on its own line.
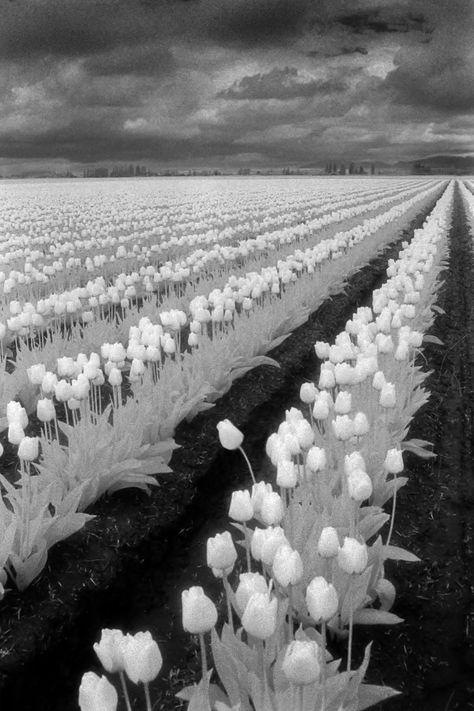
x: 286, y: 474
x: 109, y: 650
x: 388, y: 396
x: 344, y: 374
x: 258, y: 492
x: 36, y: 373
x: 28, y: 448
x: 326, y: 379
x: 359, y: 485
x: 221, y: 553
x: 343, y: 403
x: 304, y: 434
x: 241, y: 508
x: 97, y: 693
x: 291, y: 443
x: 115, y: 377
x: 394, y: 461
x: 320, y: 408
x: 321, y: 600
x: 63, y: 390
x: 249, y: 583
x: 141, y: 657
x: 353, y: 556
x: 16, y: 413
x: 15, y: 433
x: 378, y: 381
x: 308, y: 393
x: 328, y: 544
x: 48, y: 383
x: 316, y: 459
x: 287, y: 568
x: 271, y: 509
x: 343, y: 427
x: 322, y: 349
x: 260, y: 615
x: 300, y: 663
x: 361, y: 424
x: 199, y: 612
x: 229, y: 436
x: 273, y: 539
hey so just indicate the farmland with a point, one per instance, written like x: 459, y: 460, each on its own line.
x: 330, y: 321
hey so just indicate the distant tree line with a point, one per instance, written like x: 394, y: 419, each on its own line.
x: 341, y: 169
x: 118, y: 171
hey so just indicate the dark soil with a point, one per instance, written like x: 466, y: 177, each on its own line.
x: 128, y: 569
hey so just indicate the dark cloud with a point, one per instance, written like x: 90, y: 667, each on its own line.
x: 342, y: 52
x: 281, y: 84
x: 383, y: 20
x: 439, y: 75
x: 142, y: 60
x: 256, y: 23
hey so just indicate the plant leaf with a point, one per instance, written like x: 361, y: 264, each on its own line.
x: 370, y: 616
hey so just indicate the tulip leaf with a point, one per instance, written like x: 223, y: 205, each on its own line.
x: 396, y: 553
x: 428, y: 338
x: 370, y: 616
x: 370, y: 694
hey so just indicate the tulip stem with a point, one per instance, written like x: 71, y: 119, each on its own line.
x: 394, y: 507
x: 323, y: 665
x: 147, y: 697
x: 203, y: 656
x: 125, y: 691
x: 229, y: 606
x: 351, y: 625
x: 248, y: 464
x: 247, y: 549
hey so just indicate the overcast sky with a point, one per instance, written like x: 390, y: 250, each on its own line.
x: 234, y: 82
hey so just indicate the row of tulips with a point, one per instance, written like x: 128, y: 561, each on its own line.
x: 314, y: 553
x: 238, y: 295
x: 30, y: 262
x: 165, y: 388
x: 97, y: 297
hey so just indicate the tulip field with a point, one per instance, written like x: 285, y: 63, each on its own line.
x: 236, y: 426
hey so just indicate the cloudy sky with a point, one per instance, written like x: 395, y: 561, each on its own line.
x: 234, y: 82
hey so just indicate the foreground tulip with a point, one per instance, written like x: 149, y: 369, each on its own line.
x: 353, y: 556
x: 328, y: 544
x: 241, y: 507
x: 249, y: 583
x: 287, y: 566
x: 221, y: 553
x: 321, y: 600
x: 141, y: 657
x: 229, y: 436
x: 271, y: 509
x: 199, y: 612
x: 359, y: 485
x: 109, y: 650
x: 97, y: 694
x: 28, y: 448
x: 301, y: 663
x: 260, y: 615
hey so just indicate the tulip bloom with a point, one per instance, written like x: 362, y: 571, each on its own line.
x: 301, y: 663
x: 141, y: 657
x: 353, y: 556
x: 221, y: 553
x: 321, y: 600
x: 97, y: 694
x: 109, y: 650
x: 199, y: 612
x: 249, y: 583
x: 260, y: 615
x: 229, y: 436
x: 328, y: 544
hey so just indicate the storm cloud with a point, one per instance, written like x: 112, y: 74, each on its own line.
x: 202, y: 83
